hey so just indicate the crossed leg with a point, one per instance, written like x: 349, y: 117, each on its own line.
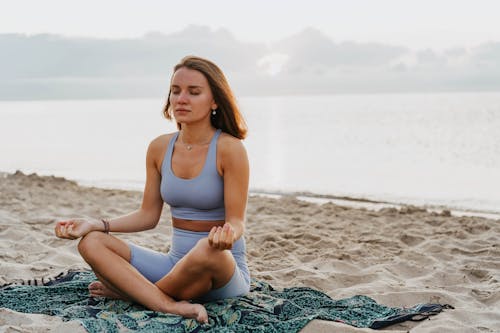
x: 201, y: 270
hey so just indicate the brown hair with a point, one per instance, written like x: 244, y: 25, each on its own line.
x: 228, y: 116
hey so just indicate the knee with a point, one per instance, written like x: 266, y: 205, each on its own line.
x: 202, y: 244
x: 204, y: 254
x: 90, y: 243
x: 203, y: 248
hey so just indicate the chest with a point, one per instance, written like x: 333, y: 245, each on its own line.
x: 188, y: 163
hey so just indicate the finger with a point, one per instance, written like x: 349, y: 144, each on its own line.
x: 223, y: 239
x: 60, y: 232
x: 63, y: 228
x: 57, y: 228
x: 217, y: 237
x: 230, y: 239
x: 67, y: 229
x: 211, y: 236
x: 70, y: 231
x: 226, y: 234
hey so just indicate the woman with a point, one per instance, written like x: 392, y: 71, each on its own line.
x: 202, y: 172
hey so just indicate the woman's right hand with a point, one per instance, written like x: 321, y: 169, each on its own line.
x: 76, y: 228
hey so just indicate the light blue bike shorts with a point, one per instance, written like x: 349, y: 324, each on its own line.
x: 155, y: 265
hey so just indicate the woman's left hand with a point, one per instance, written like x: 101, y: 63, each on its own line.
x: 222, y: 238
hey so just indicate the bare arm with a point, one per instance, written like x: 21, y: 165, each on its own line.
x: 235, y: 168
x: 236, y: 178
x: 146, y: 217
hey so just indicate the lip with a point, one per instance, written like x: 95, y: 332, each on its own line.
x: 182, y: 110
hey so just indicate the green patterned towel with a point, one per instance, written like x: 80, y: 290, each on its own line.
x: 264, y: 309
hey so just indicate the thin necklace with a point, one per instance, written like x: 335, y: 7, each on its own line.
x: 190, y: 146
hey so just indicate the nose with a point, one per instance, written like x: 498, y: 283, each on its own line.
x: 182, y: 97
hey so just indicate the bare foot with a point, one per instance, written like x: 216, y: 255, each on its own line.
x: 98, y: 289
x: 192, y: 310
x: 183, y: 308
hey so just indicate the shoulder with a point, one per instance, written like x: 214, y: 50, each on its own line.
x: 232, y: 153
x: 228, y: 145
x: 158, y: 146
x: 160, y: 142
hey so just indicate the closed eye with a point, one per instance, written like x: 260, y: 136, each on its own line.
x: 193, y: 90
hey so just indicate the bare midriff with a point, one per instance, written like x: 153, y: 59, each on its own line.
x: 193, y: 225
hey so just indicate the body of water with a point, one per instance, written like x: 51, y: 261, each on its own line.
x: 431, y: 149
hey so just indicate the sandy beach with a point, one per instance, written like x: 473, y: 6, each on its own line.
x: 399, y: 257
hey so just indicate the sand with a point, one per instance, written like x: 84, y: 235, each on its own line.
x: 399, y: 257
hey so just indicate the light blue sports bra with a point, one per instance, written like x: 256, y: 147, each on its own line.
x: 198, y: 198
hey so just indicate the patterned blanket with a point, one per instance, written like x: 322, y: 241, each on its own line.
x: 264, y: 309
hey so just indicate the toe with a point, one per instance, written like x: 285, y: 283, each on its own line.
x: 202, y: 315
x: 95, y: 285
x: 96, y: 293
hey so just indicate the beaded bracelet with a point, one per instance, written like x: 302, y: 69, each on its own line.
x: 106, y: 226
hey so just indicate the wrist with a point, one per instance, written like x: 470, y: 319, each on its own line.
x: 105, y: 226
x: 238, y: 229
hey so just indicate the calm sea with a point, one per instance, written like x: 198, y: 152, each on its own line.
x: 435, y: 149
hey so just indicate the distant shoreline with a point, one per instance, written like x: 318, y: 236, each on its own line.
x: 370, y: 204
x: 347, y: 201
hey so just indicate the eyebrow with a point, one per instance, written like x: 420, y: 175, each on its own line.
x: 189, y: 87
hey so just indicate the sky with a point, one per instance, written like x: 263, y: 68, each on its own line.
x: 435, y: 24
x: 269, y: 47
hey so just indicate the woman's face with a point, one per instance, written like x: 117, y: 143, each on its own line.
x: 191, y: 98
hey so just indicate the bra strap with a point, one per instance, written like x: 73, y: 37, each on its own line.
x: 167, y: 163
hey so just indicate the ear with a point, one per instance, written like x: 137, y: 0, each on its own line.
x: 214, y: 106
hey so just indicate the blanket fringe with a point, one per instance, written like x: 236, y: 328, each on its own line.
x: 41, y: 281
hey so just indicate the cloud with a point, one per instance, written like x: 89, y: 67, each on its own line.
x: 153, y: 55
x: 273, y: 63
x: 487, y: 55
x: 310, y: 48
x: 52, y: 66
